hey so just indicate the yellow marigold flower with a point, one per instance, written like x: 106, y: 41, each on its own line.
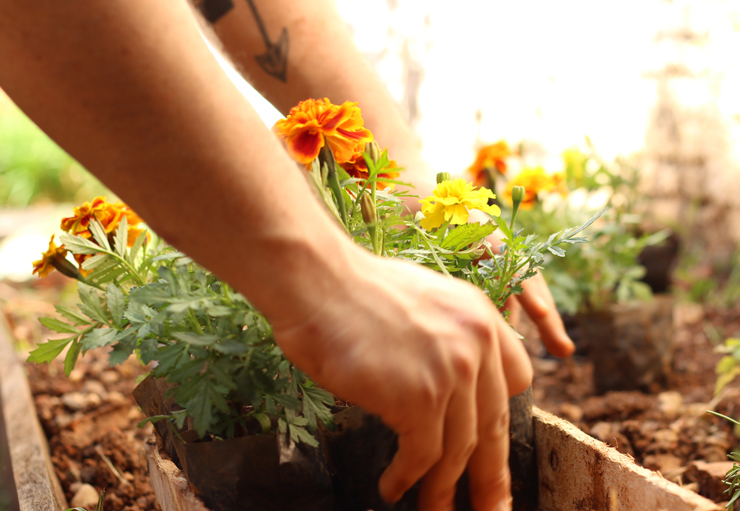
x: 357, y: 168
x: 109, y: 215
x: 314, y: 121
x: 490, y: 157
x: 45, y: 265
x: 452, y: 200
x: 535, y: 181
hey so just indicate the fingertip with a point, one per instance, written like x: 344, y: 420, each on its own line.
x: 389, y: 488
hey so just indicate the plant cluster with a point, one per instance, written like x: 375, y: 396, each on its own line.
x: 607, y: 269
x: 139, y: 295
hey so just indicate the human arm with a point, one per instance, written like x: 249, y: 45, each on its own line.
x: 129, y: 88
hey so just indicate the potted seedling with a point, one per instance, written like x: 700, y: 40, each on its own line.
x: 249, y: 428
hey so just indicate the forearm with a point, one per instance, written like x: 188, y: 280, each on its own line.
x: 129, y: 88
x: 321, y: 60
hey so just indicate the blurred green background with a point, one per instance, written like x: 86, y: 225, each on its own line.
x: 33, y: 169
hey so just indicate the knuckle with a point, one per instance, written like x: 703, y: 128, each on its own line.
x: 465, y: 363
x: 496, y: 428
x: 485, y: 488
x: 462, y: 456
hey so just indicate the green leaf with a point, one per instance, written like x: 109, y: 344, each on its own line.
x: 122, y: 350
x: 57, y: 325
x: 79, y: 245
x: 557, y: 251
x: 73, y: 315
x: 94, y: 261
x: 592, y: 220
x: 463, y: 235
x: 195, y: 339
x: 99, y: 234
x: 298, y: 434
x: 116, y: 303
x: 98, y: 338
x: 137, y: 246
x: 91, y: 305
x: 50, y: 350
x: 71, y: 359
x: 121, y: 238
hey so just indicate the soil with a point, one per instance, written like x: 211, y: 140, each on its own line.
x: 90, y: 418
x: 667, y: 430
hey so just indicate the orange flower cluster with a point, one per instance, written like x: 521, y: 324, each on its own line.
x: 108, y: 214
x: 45, y: 265
x: 314, y: 122
x: 535, y: 181
x: 357, y: 168
x: 489, y: 158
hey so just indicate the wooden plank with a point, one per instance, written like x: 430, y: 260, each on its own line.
x: 169, y: 483
x: 36, y: 483
x: 578, y: 472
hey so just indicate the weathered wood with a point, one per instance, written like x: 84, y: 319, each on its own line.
x: 578, y: 472
x: 36, y: 483
x: 169, y: 483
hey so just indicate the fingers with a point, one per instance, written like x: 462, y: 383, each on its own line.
x: 537, y: 302
x: 461, y: 426
x: 514, y: 308
x: 517, y: 368
x: 419, y: 449
x: 488, y: 467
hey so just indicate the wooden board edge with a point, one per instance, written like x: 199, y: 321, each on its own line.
x: 576, y: 471
x: 169, y: 483
x: 37, y: 485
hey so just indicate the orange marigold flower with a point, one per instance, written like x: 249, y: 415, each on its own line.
x: 489, y: 158
x: 45, y: 265
x: 314, y: 121
x: 357, y: 168
x: 535, y: 181
x: 109, y: 215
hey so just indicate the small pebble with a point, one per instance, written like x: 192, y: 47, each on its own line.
x: 85, y: 497
x: 116, y: 398
x: 76, y: 375
x: 92, y: 401
x: 670, y: 403
x: 602, y: 431
x: 110, y: 377
x: 74, y: 401
x: 572, y: 412
x: 63, y: 420
x: 95, y: 387
x: 128, y: 476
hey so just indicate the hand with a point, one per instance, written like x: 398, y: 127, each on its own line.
x: 537, y: 302
x: 433, y: 358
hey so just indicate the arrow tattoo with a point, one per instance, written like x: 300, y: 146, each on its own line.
x: 274, y: 61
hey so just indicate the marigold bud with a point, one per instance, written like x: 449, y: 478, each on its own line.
x: 63, y: 265
x: 367, y: 206
x: 373, y: 150
x: 443, y: 176
x: 517, y: 194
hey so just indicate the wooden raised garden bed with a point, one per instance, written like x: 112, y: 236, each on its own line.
x: 576, y: 472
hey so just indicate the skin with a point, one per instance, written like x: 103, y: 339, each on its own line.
x: 129, y: 88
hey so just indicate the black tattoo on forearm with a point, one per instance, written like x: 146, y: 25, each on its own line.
x: 274, y: 61
x: 214, y: 10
